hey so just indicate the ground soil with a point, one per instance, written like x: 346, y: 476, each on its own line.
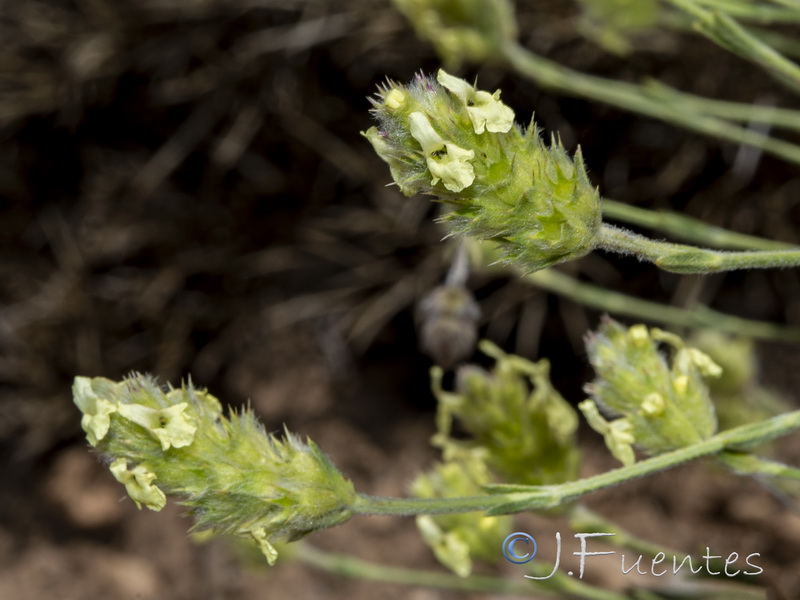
x: 184, y: 191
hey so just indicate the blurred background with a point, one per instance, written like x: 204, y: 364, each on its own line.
x: 184, y: 191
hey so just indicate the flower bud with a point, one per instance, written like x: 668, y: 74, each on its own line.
x: 445, y: 138
x: 236, y: 478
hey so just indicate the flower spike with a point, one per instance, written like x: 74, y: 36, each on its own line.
x: 445, y: 138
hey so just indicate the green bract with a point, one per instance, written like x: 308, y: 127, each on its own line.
x: 445, y: 138
x: 236, y: 478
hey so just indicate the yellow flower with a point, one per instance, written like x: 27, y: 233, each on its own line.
x: 485, y: 110
x: 395, y: 99
x: 259, y: 535
x: 96, y: 411
x: 446, y: 161
x: 171, y: 426
x: 653, y: 405
x: 389, y: 155
x: 450, y: 549
x: 618, y: 434
x: 138, y: 483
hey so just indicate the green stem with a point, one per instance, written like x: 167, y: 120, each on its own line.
x: 407, y: 507
x: 688, y: 228
x: 748, y: 464
x: 581, y: 518
x: 617, y: 303
x: 759, y: 13
x: 729, y: 34
x: 635, y: 98
x: 506, y: 499
x: 679, y: 258
x: 785, y: 118
x: 349, y: 566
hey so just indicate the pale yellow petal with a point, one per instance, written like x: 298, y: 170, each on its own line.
x: 453, y: 167
x: 446, y: 161
x: 485, y: 110
x: 425, y: 134
x: 138, y: 483
x: 96, y: 411
x: 171, y: 426
x: 457, y: 86
x: 259, y: 534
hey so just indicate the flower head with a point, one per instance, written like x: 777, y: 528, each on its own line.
x: 449, y: 324
x: 444, y: 137
x: 236, y: 478
x: 462, y: 30
x: 457, y: 539
x: 664, y: 404
x: 515, y: 414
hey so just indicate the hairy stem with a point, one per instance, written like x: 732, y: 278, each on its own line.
x: 729, y: 34
x: 519, y: 498
x: 679, y: 258
x: 635, y: 98
x: 618, y: 303
x: 688, y: 228
x: 350, y: 566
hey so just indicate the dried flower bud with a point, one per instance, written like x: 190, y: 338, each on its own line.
x: 445, y: 138
x: 449, y: 326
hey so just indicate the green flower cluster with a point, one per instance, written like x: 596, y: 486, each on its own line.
x: 739, y: 396
x: 445, y: 138
x: 519, y: 430
x: 513, y: 412
x: 462, y: 30
x: 236, y: 478
x: 459, y: 538
x: 662, y: 404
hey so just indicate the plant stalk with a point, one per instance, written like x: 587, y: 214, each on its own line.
x: 506, y: 499
x: 679, y: 258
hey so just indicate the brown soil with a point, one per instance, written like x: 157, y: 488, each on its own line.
x: 185, y: 191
